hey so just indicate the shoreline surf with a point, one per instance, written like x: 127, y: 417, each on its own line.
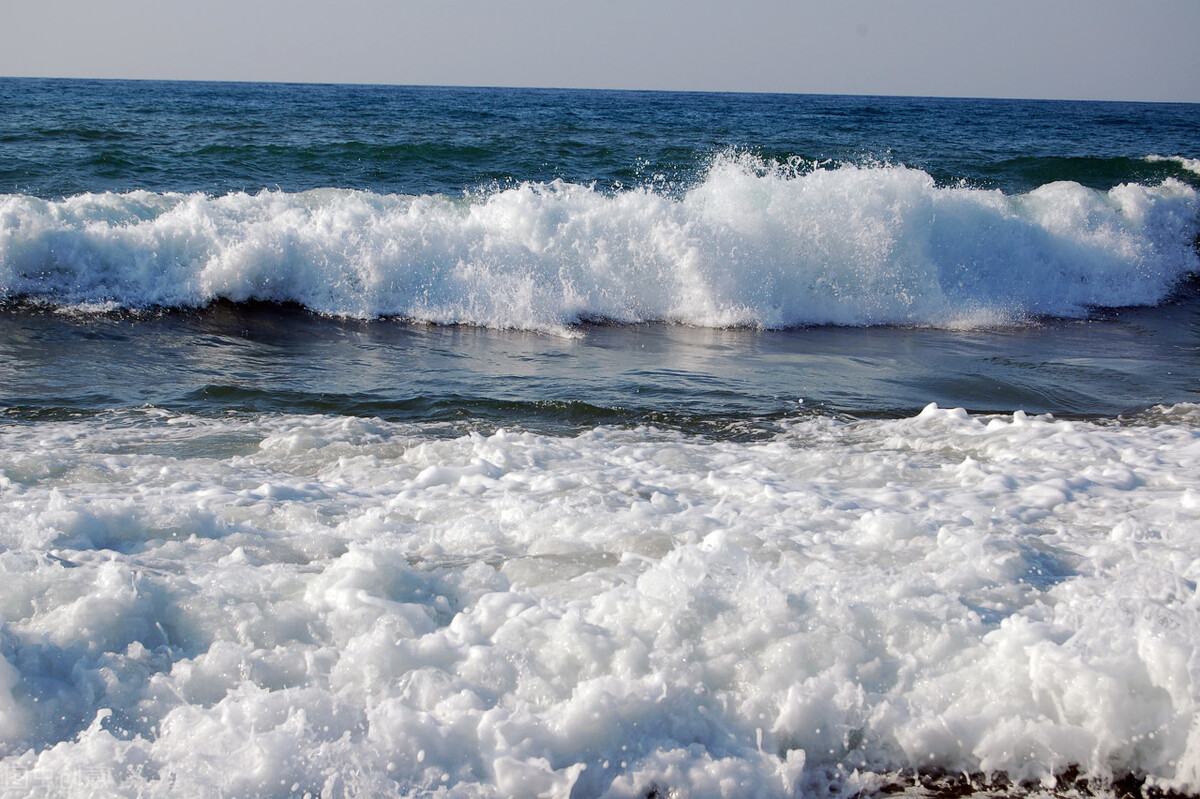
x: 395, y: 441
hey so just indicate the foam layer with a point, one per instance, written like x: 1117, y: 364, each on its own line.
x: 309, y: 604
x: 751, y: 245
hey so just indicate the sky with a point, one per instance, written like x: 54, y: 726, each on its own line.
x: 1068, y: 49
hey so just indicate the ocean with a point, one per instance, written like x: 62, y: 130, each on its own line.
x: 411, y: 441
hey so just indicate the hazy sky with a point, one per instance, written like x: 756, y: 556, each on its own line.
x: 1085, y: 49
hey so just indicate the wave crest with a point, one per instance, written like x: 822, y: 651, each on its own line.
x: 751, y: 245
x: 1187, y: 164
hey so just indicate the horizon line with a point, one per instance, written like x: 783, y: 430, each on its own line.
x: 497, y: 87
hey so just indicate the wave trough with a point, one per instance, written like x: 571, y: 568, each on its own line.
x: 753, y: 244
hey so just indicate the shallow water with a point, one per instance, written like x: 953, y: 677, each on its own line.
x: 264, y: 358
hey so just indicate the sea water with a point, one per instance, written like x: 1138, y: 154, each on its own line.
x: 393, y: 441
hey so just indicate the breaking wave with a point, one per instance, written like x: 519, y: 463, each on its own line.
x: 753, y: 244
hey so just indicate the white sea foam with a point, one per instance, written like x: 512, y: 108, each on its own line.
x: 350, y: 607
x: 751, y: 245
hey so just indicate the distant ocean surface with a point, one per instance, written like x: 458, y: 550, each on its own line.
x: 402, y: 441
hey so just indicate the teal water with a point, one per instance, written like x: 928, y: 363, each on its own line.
x: 61, y: 138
